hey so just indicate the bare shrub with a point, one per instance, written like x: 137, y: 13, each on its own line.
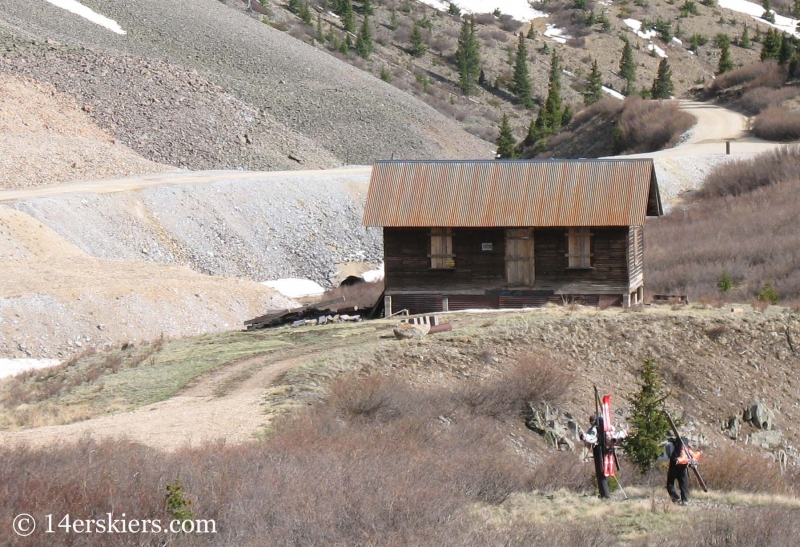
x: 646, y: 126
x: 734, y: 470
x: 742, y: 176
x: 485, y: 19
x: 607, y: 107
x: 509, y: 24
x: 578, y: 42
x: 761, y: 98
x: 754, y: 238
x: 499, y: 36
x: 756, y: 527
x: 778, y: 124
x: 762, y: 74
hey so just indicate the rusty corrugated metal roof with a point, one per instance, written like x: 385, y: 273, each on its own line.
x: 618, y: 192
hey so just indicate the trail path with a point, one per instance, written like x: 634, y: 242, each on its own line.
x: 129, y: 184
x: 715, y: 126
x: 223, y: 404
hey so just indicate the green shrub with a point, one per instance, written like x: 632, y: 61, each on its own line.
x: 177, y: 504
x: 768, y: 294
x: 649, y: 426
x: 725, y: 282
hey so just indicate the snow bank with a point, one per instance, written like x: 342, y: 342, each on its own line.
x: 373, y: 275
x: 637, y: 26
x: 518, y: 9
x: 615, y: 94
x: 295, y: 288
x: 660, y: 52
x: 556, y: 34
x: 12, y: 367
x: 87, y: 13
x: 786, y: 24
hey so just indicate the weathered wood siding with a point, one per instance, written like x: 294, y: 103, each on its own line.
x: 609, y: 265
x: 636, y: 255
x: 408, y: 266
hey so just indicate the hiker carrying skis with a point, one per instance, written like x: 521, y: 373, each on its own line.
x: 678, y: 470
x: 591, y: 441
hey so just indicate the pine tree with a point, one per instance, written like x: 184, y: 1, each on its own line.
x: 768, y: 15
x: 344, y: 47
x: 662, y: 85
x: 744, y: 41
x: 418, y: 47
x: 594, y: 90
x: 386, y: 76
x: 320, y: 34
x: 294, y: 6
x: 566, y: 116
x: 482, y: 81
x: 522, y: 81
x: 348, y: 17
x: 467, y: 57
x: 627, y: 68
x: 553, y: 103
x: 506, y: 144
x: 785, y: 51
x: 393, y: 24
x: 796, y: 9
x: 649, y: 426
x: 604, y: 21
x: 305, y: 13
x: 771, y: 46
x: 725, y: 62
x: 366, y: 7
x: 364, y: 44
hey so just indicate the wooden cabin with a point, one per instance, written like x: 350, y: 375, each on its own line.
x: 512, y: 234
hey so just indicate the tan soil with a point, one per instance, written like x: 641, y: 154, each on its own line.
x: 45, y: 138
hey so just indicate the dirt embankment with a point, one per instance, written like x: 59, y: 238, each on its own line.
x: 45, y: 138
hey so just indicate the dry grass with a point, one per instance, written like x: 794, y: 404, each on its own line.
x: 778, y: 124
x: 743, y: 176
x: 378, y: 463
x: 761, y: 74
x: 646, y: 126
x: 752, y: 236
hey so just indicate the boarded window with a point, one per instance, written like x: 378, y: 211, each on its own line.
x: 579, y: 248
x: 442, y: 256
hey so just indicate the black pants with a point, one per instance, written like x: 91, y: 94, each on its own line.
x: 678, y: 473
x: 602, y: 482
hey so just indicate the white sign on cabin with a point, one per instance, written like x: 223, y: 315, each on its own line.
x: 486, y: 246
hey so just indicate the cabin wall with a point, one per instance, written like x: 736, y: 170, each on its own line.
x: 610, y: 262
x: 408, y: 266
x: 636, y: 256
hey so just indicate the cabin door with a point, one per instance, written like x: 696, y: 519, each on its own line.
x: 519, y: 256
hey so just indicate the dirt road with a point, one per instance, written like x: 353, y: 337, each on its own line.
x: 715, y: 126
x: 129, y: 184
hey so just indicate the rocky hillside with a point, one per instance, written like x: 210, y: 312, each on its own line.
x: 209, y: 87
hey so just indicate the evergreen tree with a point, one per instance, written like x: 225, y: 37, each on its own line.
x: 366, y: 7
x: 418, y: 46
x: 533, y: 132
x: 627, y: 68
x: 796, y: 9
x: 725, y: 62
x: 768, y: 15
x: 294, y: 6
x: 386, y: 76
x: 785, y: 51
x: 305, y: 13
x: 553, y: 103
x: 393, y: 24
x: 320, y: 34
x: 566, y: 116
x: 364, y: 44
x: 348, y: 17
x: 604, y: 21
x: 771, y: 47
x: 662, y: 85
x: 506, y: 144
x: 649, y: 426
x: 522, y: 81
x: 594, y: 90
x: 744, y: 41
x: 468, y: 57
x: 344, y: 47
x: 482, y: 81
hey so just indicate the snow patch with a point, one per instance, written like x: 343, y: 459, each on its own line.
x: 615, y: 94
x: 372, y: 276
x: 677, y: 41
x: 518, y: 9
x: 556, y: 34
x: 660, y: 52
x: 295, y: 288
x: 637, y: 27
x: 87, y: 13
x: 786, y: 24
x: 12, y: 367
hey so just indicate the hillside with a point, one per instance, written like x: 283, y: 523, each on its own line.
x: 211, y: 88
x: 364, y: 428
